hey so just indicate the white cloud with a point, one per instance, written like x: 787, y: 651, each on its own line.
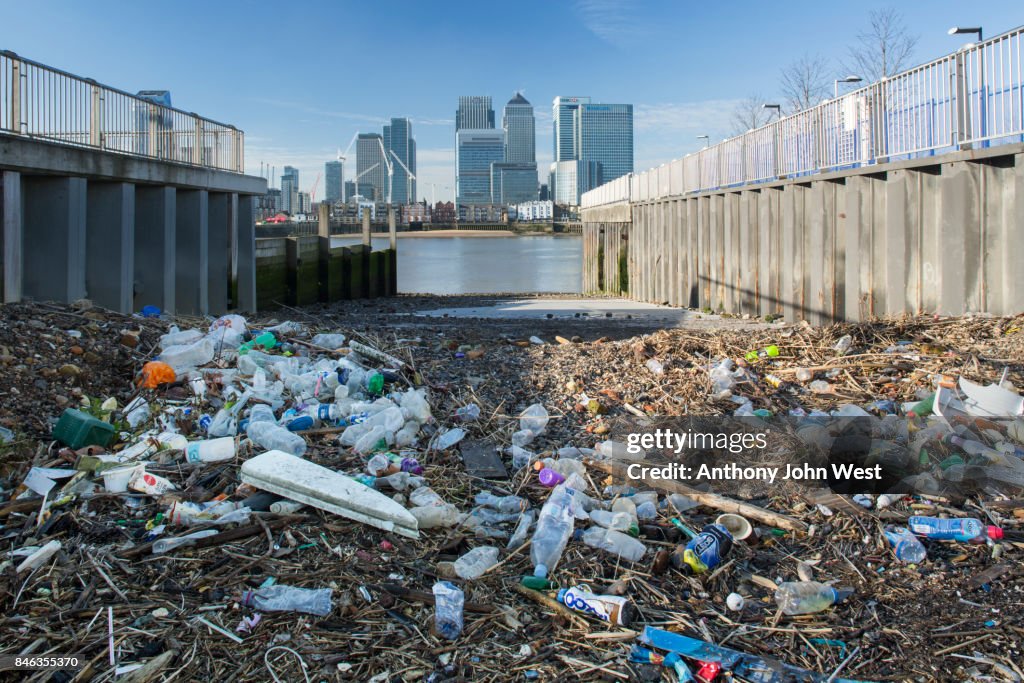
x: 613, y: 21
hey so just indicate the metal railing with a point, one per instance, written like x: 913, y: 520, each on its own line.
x: 969, y: 99
x: 39, y: 101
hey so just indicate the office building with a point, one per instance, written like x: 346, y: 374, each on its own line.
x: 544, y: 194
x: 475, y: 151
x: 350, y: 190
x: 304, y: 205
x: 398, y: 139
x: 605, y: 142
x: 334, y: 189
x: 593, y: 145
x: 290, y: 190
x: 520, y: 135
x: 474, y: 112
x: 513, y: 183
x: 370, y: 167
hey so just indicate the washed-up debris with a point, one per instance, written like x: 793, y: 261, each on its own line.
x: 373, y: 544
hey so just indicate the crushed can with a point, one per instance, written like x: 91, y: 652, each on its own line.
x: 705, y: 551
x: 614, y: 609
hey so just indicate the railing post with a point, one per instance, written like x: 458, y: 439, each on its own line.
x: 961, y: 100
x: 153, y: 145
x: 96, y: 118
x: 16, y: 96
x: 197, y: 149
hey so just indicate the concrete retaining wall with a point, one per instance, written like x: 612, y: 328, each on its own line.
x: 942, y: 235
x: 297, y: 271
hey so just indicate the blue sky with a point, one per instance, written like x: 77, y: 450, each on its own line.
x: 301, y: 77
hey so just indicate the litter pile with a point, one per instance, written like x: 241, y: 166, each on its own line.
x: 259, y: 500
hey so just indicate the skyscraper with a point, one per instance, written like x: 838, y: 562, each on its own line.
x: 520, y: 136
x: 334, y: 190
x: 398, y: 139
x: 370, y: 167
x: 476, y: 150
x: 593, y: 144
x: 513, y: 183
x: 563, y: 113
x: 474, y: 112
x: 290, y: 189
x: 605, y: 142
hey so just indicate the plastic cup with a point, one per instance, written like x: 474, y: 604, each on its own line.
x: 116, y: 480
x: 738, y: 526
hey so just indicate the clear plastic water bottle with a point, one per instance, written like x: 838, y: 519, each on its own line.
x: 166, y: 545
x: 620, y: 521
x: 272, y: 437
x: 449, y: 438
x: 967, y: 530
x: 473, y: 564
x: 905, y: 545
x: 808, y: 597
x: 290, y: 599
x: 449, y: 601
x: 211, y: 450
x: 501, y: 503
x: 468, y: 413
x: 522, y: 530
x: 186, y: 357
x: 554, y: 527
x: 614, y: 542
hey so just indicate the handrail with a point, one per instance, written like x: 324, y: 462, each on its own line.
x: 970, y: 98
x: 43, y: 102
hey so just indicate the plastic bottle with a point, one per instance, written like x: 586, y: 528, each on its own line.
x: 628, y: 507
x: 646, y: 510
x: 705, y: 551
x: 328, y: 341
x: 808, y: 597
x: 279, y: 598
x: 534, y: 419
x: 434, y: 516
x: 449, y: 601
x: 820, y: 386
x: 803, y: 375
x: 449, y: 438
x: 655, y: 366
x: 373, y: 383
x: 549, y: 477
x: 166, y: 545
x: 501, y: 503
x: 414, y: 402
x: 967, y: 530
x: 620, y: 521
x: 767, y: 352
x: 40, y: 556
x: 905, y: 545
x: 374, y: 439
x: 614, y: 542
x: 272, y: 437
x: 844, y: 344
x: 723, y: 378
x: 468, y: 413
x: 521, y: 457
x: 473, y: 564
x: 522, y: 530
x: 614, y: 609
x: 554, y: 527
x: 211, y: 450
x: 174, y: 337
x: 182, y: 358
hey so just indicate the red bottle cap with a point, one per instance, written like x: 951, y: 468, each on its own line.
x: 995, y: 533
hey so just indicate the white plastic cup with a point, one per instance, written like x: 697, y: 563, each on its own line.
x: 738, y: 526
x: 116, y: 480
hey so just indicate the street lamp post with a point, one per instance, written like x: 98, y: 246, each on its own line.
x: 848, y: 79
x: 959, y: 30
x: 776, y: 107
x: 705, y: 139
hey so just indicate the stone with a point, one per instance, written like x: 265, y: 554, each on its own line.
x: 70, y: 370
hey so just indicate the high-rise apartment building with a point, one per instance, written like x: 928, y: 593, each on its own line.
x: 398, y: 139
x: 474, y: 112
x: 370, y: 167
x: 476, y: 150
x: 334, y: 188
x: 290, y: 190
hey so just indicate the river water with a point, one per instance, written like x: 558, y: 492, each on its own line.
x: 484, y: 265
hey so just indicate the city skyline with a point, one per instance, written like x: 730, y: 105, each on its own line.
x: 671, y: 61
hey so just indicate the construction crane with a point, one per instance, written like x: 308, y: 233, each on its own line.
x: 343, y: 157
x: 355, y: 181
x: 312, y: 191
x: 407, y: 172
x: 389, y: 166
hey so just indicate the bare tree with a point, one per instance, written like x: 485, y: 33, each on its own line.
x: 883, y: 49
x: 805, y: 83
x: 750, y: 113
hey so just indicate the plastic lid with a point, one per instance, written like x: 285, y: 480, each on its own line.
x: 842, y: 593
x: 995, y: 533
